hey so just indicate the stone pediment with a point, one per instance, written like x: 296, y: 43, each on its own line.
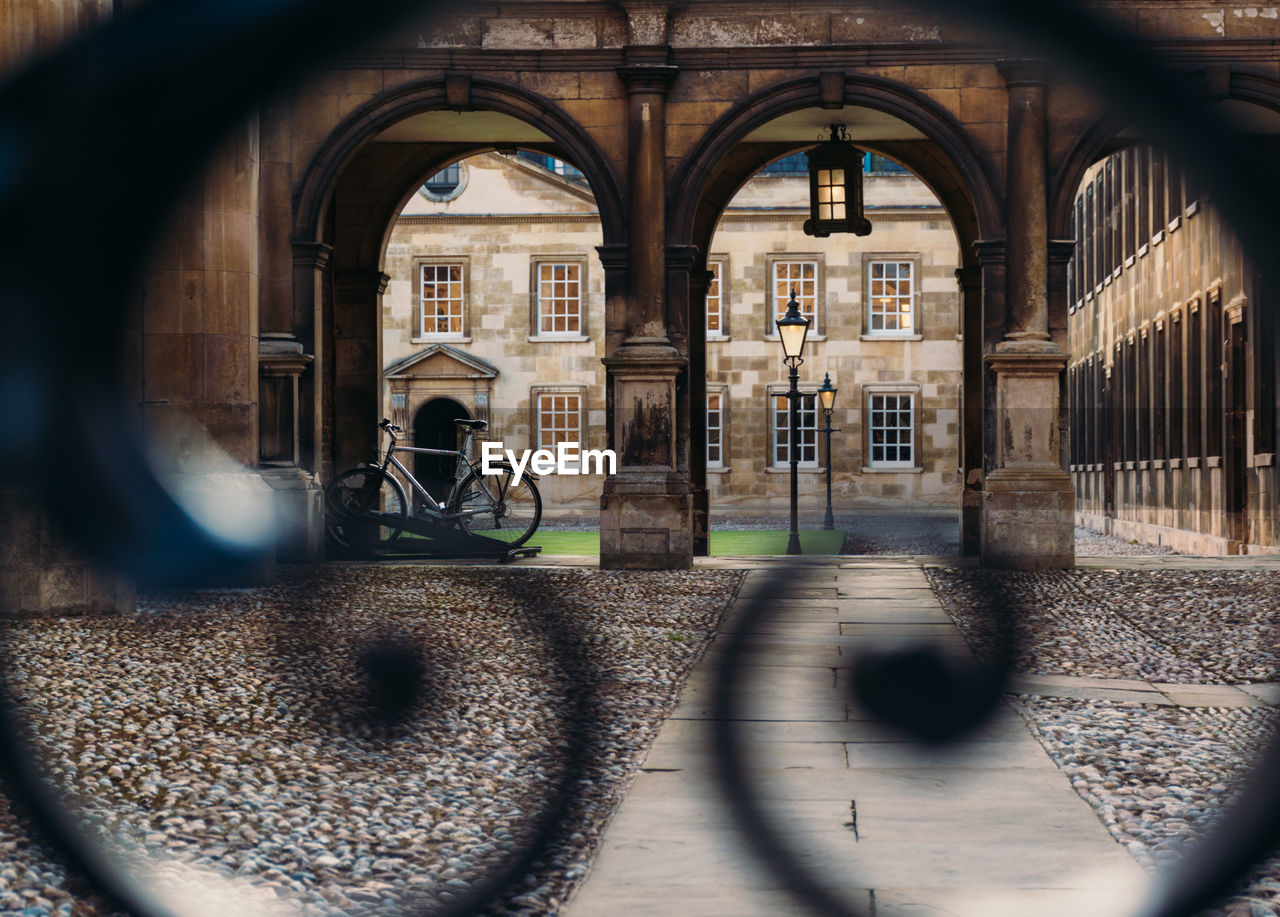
x: 441, y: 361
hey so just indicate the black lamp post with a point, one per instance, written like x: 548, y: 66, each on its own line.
x: 835, y: 187
x: 792, y: 330
x: 827, y: 398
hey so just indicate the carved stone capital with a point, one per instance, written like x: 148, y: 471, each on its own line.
x: 312, y: 254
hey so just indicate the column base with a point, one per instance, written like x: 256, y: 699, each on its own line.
x: 701, y: 523
x: 970, y: 522
x: 299, y: 509
x: 238, y: 505
x: 646, y: 522
x: 1028, y: 520
x: 40, y: 576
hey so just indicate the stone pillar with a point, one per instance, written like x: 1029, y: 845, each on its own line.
x: 699, y: 283
x: 645, y: 508
x: 310, y: 270
x: 199, y: 332
x: 1028, y: 504
x: 357, y: 366
x: 970, y: 280
x: 39, y: 574
x: 283, y: 356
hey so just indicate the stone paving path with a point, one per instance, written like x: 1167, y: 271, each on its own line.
x: 992, y: 830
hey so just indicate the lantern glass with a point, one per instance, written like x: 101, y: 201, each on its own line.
x: 835, y: 187
x: 792, y: 330
x: 827, y: 394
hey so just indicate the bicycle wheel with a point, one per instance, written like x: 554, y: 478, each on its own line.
x: 495, y: 506
x: 359, y: 491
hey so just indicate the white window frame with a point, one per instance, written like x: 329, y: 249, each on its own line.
x: 719, y: 268
x: 536, y: 314
x: 898, y: 298
x: 436, y: 264
x: 778, y: 408
x: 870, y: 407
x: 717, y: 420
x: 537, y: 394
x: 779, y: 295
x: 869, y: 262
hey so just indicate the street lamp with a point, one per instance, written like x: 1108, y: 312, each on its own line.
x: 827, y: 397
x: 792, y: 330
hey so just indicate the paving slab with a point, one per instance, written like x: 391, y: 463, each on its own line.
x: 1208, y: 696
x: 993, y: 822
x: 1268, y: 693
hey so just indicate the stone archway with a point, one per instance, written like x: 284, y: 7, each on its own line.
x: 346, y: 206
x: 947, y: 160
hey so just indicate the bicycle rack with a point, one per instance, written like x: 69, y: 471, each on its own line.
x: 446, y: 540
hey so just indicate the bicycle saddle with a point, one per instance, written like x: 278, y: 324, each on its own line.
x: 473, y: 424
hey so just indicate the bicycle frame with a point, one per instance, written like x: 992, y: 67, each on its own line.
x: 461, y: 467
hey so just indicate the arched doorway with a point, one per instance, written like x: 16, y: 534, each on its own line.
x: 374, y: 162
x: 900, y: 124
x: 434, y: 428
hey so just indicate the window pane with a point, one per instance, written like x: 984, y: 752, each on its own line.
x: 559, y: 420
x: 891, y: 430
x: 715, y: 319
x: 559, y: 298
x: 808, y: 431
x: 802, y: 277
x: 890, y: 295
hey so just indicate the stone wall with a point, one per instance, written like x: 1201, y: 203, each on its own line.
x: 509, y: 212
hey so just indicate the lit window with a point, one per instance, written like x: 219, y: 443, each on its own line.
x: 891, y: 294
x: 831, y: 194
x: 891, y: 431
x: 715, y: 429
x: 559, y: 298
x: 441, y: 299
x: 715, y: 303
x: 808, y: 431
x: 559, y: 419
x: 802, y: 277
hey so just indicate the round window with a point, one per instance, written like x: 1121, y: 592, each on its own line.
x: 446, y: 184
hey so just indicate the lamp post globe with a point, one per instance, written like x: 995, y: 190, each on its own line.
x: 793, y: 328
x: 827, y: 398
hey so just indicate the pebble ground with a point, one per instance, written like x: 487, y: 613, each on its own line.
x: 1156, y: 776
x: 356, y: 740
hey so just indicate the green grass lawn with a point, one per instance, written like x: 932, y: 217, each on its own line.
x: 722, y: 543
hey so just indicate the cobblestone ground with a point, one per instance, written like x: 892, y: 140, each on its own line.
x: 357, y: 740
x: 1156, y: 776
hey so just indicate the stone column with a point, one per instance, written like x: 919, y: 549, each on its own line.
x: 39, y: 573
x: 970, y: 280
x: 645, y: 508
x: 357, y: 366
x: 284, y: 356
x: 1028, y: 504
x: 699, y: 283
x: 200, y: 338
x: 310, y: 265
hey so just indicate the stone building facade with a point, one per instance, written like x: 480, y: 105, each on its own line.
x: 1173, y: 374
x: 257, y: 347
x: 886, y: 312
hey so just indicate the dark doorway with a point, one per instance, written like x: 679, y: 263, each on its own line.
x: 1236, y: 457
x: 434, y: 428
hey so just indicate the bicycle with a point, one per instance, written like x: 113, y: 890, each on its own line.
x: 492, y: 505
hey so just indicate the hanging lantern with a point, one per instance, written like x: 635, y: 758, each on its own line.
x: 835, y: 187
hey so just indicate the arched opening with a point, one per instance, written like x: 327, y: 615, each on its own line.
x: 434, y: 428
x: 352, y: 203
x: 889, y: 121
x: 1172, y: 374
